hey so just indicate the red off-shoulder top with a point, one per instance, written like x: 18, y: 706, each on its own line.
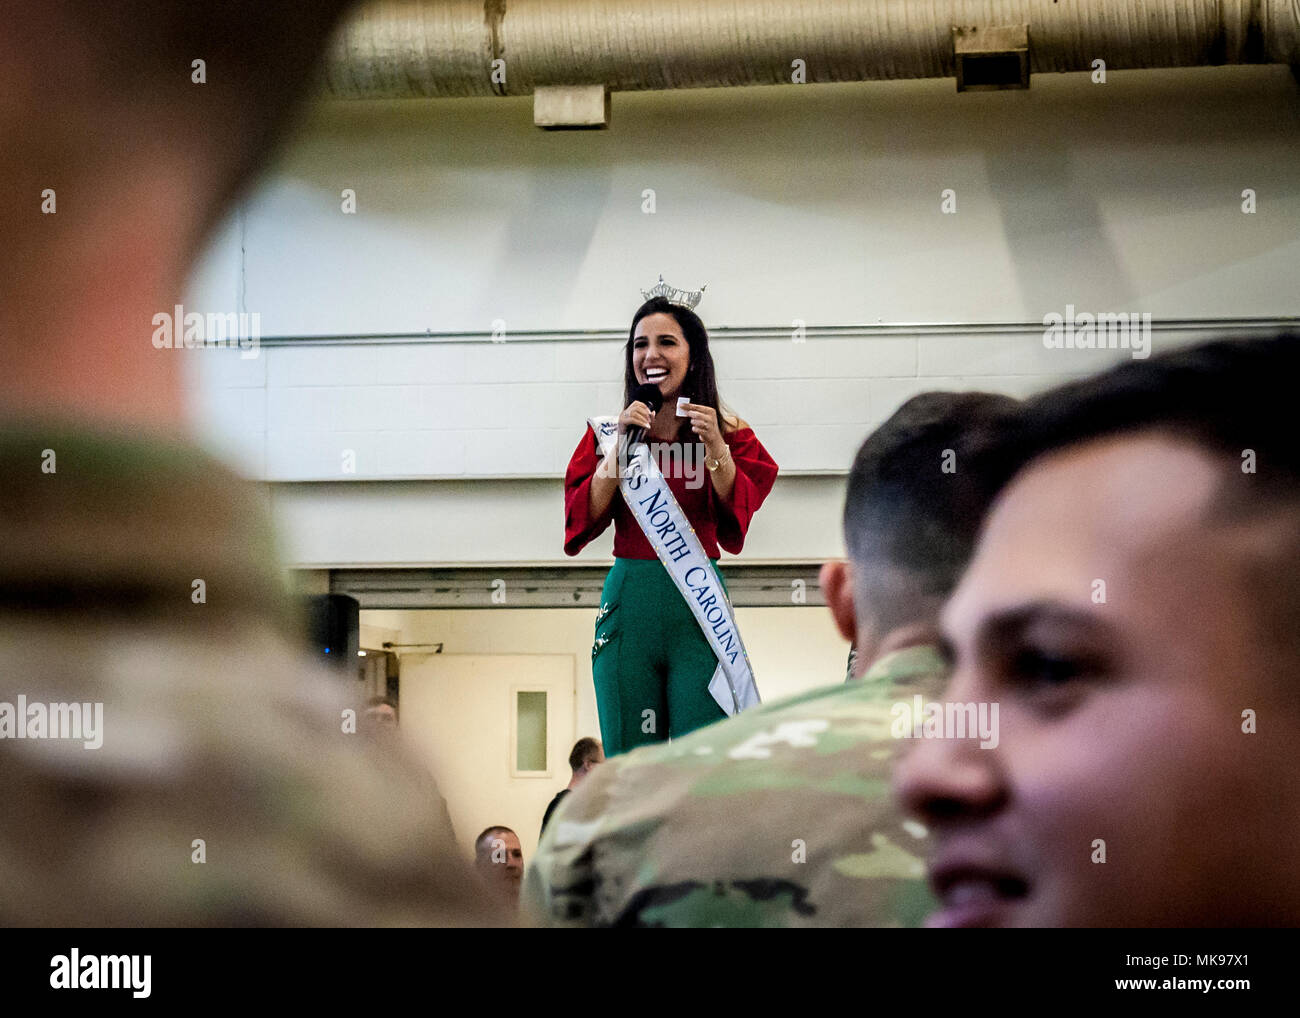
x: 716, y: 522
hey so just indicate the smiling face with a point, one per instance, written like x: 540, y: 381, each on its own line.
x: 661, y: 354
x: 1120, y: 709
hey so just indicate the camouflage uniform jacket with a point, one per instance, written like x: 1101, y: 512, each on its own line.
x: 228, y: 788
x: 780, y: 816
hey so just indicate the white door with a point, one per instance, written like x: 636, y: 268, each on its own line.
x: 477, y: 720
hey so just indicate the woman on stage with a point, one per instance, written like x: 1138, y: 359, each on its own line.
x: 667, y: 658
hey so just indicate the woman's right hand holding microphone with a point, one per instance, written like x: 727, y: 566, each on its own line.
x: 636, y: 415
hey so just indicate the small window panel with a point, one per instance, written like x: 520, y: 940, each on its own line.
x: 528, y: 728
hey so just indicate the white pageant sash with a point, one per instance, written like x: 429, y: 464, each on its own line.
x: 673, y: 538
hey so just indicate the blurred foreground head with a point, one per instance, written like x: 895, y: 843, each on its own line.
x: 224, y: 782
x: 1133, y: 609
x: 129, y: 127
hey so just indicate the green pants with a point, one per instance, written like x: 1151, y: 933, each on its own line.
x: 650, y: 662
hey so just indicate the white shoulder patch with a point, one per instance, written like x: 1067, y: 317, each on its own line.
x: 800, y: 734
x: 571, y: 832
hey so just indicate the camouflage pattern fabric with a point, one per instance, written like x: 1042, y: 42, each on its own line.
x: 781, y: 816
x: 225, y: 791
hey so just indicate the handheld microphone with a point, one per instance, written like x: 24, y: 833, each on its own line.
x: 651, y: 397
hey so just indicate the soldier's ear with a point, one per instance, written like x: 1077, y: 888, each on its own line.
x: 836, y: 581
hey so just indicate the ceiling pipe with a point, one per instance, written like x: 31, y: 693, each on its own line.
x: 452, y: 48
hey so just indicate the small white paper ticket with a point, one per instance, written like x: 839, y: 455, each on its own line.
x: 681, y: 406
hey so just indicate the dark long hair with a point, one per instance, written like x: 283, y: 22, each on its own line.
x: 701, y: 383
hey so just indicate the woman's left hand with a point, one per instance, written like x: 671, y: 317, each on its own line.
x: 704, y: 422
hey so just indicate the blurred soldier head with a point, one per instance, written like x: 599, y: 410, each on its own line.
x: 129, y: 127
x: 1133, y: 608
x: 499, y: 859
x: 917, y: 491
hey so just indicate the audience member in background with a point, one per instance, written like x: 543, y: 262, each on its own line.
x: 586, y: 753
x: 1133, y: 607
x: 499, y: 859
x: 381, y: 712
x: 782, y: 816
x: 137, y: 576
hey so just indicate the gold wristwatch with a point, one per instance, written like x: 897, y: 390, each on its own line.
x: 714, y: 464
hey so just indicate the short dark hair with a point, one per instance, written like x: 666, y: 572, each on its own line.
x: 582, y: 749
x: 1233, y: 398
x: 917, y: 492
x: 1229, y: 396
x: 381, y: 701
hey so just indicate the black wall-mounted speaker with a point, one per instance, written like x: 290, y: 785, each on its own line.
x: 334, y: 629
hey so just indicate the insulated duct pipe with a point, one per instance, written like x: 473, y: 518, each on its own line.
x: 427, y: 48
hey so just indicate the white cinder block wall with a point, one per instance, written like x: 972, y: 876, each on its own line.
x: 812, y: 203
